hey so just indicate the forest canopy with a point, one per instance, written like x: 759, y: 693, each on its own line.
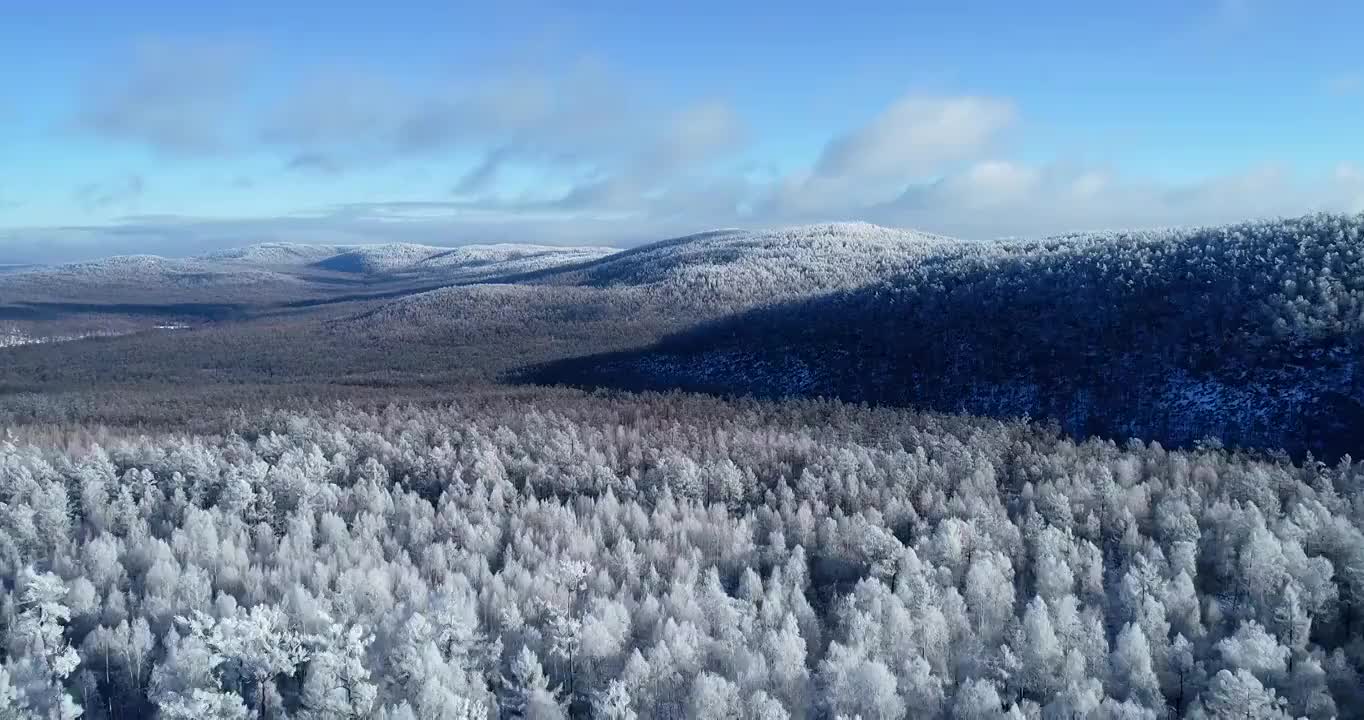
x: 671, y: 556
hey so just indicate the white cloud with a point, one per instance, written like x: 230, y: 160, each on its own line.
x: 575, y: 122
x: 616, y: 163
x: 1042, y: 200
x: 121, y: 191
x: 1350, y: 178
x: 577, y: 105
x: 666, y: 164
x: 986, y: 199
x: 333, y: 106
x: 1000, y: 181
x: 916, y: 135
x: 193, y: 96
x: 700, y: 131
x: 178, y: 97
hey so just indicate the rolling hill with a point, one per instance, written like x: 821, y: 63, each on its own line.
x: 276, y: 254
x: 634, y: 297
x: 146, y: 278
x: 745, y: 268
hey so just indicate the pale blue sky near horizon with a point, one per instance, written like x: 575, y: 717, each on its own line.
x: 151, y: 126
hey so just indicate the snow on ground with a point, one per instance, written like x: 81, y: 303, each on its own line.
x: 14, y: 337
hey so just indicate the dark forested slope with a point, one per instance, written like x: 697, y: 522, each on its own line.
x: 1247, y: 333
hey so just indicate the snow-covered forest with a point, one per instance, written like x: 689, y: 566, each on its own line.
x: 694, y: 361
x: 556, y: 554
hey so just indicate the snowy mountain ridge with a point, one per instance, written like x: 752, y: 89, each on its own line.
x: 729, y: 268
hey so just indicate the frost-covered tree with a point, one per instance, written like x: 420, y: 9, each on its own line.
x: 1133, y: 673
x: 337, y: 683
x: 1239, y: 695
x: 855, y: 685
x: 529, y: 694
x: 252, y: 650
x: 613, y: 703
x: 40, y: 657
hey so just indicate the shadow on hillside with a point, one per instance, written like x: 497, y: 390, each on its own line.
x: 1143, y: 365
x: 57, y: 310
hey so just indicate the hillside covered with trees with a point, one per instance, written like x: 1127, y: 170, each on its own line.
x: 1248, y: 334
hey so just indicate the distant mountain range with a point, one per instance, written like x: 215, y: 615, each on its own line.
x: 277, y: 271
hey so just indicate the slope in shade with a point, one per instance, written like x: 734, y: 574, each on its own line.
x: 1250, y: 334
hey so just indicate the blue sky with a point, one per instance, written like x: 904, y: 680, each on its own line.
x: 160, y: 127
